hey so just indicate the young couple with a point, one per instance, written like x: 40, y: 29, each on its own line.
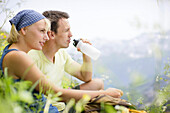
x: 47, y: 34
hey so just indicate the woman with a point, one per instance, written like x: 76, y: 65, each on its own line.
x: 29, y: 32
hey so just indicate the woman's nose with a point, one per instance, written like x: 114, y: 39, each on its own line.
x: 46, y: 37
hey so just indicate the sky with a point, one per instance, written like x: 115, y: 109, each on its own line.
x: 105, y: 19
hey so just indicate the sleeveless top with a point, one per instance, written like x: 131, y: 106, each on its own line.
x: 5, y: 51
x: 52, y: 109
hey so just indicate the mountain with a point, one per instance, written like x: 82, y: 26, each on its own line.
x: 144, y: 55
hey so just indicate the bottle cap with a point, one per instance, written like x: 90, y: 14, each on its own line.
x: 75, y: 42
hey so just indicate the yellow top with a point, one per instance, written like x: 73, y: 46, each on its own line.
x: 53, y: 71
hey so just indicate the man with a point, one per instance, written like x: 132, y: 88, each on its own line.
x: 54, y: 61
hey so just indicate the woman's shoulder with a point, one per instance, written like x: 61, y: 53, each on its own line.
x: 17, y: 56
x: 17, y: 62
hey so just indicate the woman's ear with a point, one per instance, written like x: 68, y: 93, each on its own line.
x: 23, y: 30
x: 51, y: 34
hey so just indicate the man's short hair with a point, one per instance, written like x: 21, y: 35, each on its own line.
x: 54, y: 17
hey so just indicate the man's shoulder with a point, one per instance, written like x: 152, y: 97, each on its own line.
x: 62, y: 52
x: 32, y: 52
x: 35, y: 54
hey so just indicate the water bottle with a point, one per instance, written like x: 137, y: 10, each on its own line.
x: 87, y: 49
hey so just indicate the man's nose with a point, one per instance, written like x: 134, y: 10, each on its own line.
x: 70, y: 34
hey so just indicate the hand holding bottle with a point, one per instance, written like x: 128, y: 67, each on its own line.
x: 87, y: 49
x: 84, y: 41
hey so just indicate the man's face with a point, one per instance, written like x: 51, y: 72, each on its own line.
x: 63, y: 36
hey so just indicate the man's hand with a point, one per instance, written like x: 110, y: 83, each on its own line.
x: 84, y: 41
x: 114, y: 92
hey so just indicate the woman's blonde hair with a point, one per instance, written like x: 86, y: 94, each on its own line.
x: 48, y: 24
x: 14, y: 34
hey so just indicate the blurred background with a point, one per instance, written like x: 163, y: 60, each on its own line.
x: 132, y: 35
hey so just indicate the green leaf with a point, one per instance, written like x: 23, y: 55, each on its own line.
x: 26, y: 71
x: 34, y: 85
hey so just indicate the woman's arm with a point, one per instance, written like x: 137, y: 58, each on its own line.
x: 20, y: 65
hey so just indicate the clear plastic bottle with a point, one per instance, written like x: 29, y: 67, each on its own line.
x: 87, y: 49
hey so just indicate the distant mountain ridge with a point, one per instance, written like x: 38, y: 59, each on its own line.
x: 141, y: 45
x: 144, y: 55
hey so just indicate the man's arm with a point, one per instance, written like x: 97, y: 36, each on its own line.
x: 81, y: 71
x: 86, y: 68
x: 84, y: 71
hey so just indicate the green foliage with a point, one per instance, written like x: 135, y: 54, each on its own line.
x: 14, y: 95
x: 108, y: 108
x: 3, y: 42
x: 68, y: 83
x: 17, y: 97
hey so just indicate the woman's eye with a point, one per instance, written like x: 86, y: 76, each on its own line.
x: 43, y: 31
